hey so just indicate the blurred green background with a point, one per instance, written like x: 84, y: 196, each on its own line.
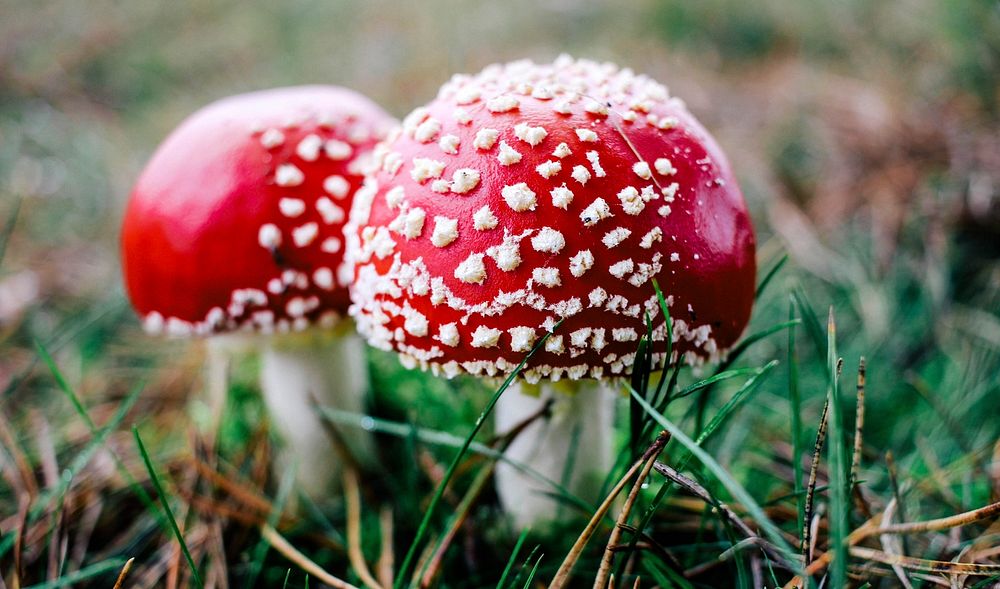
x: 851, y: 111
x: 866, y: 136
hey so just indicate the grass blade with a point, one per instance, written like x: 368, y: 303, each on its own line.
x: 166, y: 507
x: 99, y: 437
x: 838, y: 464
x: 428, y: 436
x: 753, y: 338
x: 664, y: 575
x: 74, y: 400
x: 701, y: 404
x: 524, y: 566
x: 728, y: 374
x: 513, y: 558
x: 741, y: 395
x: 84, y: 574
x: 665, y: 309
x: 731, y: 485
x: 809, y: 319
x: 770, y: 275
x: 795, y: 404
x: 640, y: 382
x: 404, y: 569
x: 534, y: 571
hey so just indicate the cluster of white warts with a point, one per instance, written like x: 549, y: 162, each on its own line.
x: 376, y: 304
x: 247, y: 309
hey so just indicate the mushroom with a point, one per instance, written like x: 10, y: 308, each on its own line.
x: 235, y: 226
x: 532, y: 194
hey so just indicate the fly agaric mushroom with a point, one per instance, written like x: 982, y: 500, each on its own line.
x: 236, y: 227
x: 532, y: 194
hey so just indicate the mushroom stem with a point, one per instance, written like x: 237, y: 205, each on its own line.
x: 300, y: 372
x: 580, y: 428
x: 218, y: 357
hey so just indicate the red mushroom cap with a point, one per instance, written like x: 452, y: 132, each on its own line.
x: 236, y: 223
x: 532, y: 193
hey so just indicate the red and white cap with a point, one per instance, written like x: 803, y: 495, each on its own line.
x: 236, y: 223
x: 529, y: 194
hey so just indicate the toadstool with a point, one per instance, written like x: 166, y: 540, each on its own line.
x: 235, y: 226
x: 531, y: 194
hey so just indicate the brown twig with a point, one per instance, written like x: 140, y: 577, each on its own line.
x: 857, y: 491
x: 944, y: 523
x: 241, y: 493
x: 811, y: 486
x: 872, y: 527
x: 606, y: 561
x: 702, y: 493
x: 283, y: 547
x: 352, y: 497
x: 563, y: 574
x: 860, y: 533
x: 922, y: 564
x: 859, y: 423
x: 124, y: 573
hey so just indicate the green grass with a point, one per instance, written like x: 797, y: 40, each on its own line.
x: 878, y: 122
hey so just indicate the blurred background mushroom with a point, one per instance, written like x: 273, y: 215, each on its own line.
x: 233, y: 233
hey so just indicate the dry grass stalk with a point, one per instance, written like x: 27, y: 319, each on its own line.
x: 563, y: 574
x: 922, y: 564
x: 284, y: 547
x: 859, y: 422
x: 873, y: 527
x: 945, y: 523
x: 606, y: 561
x: 124, y: 573
x: 387, y: 556
x: 807, y: 550
x: 352, y: 497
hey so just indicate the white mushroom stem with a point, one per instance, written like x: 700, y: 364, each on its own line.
x: 581, y: 424
x: 300, y: 372
x: 219, y: 353
x: 218, y: 357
